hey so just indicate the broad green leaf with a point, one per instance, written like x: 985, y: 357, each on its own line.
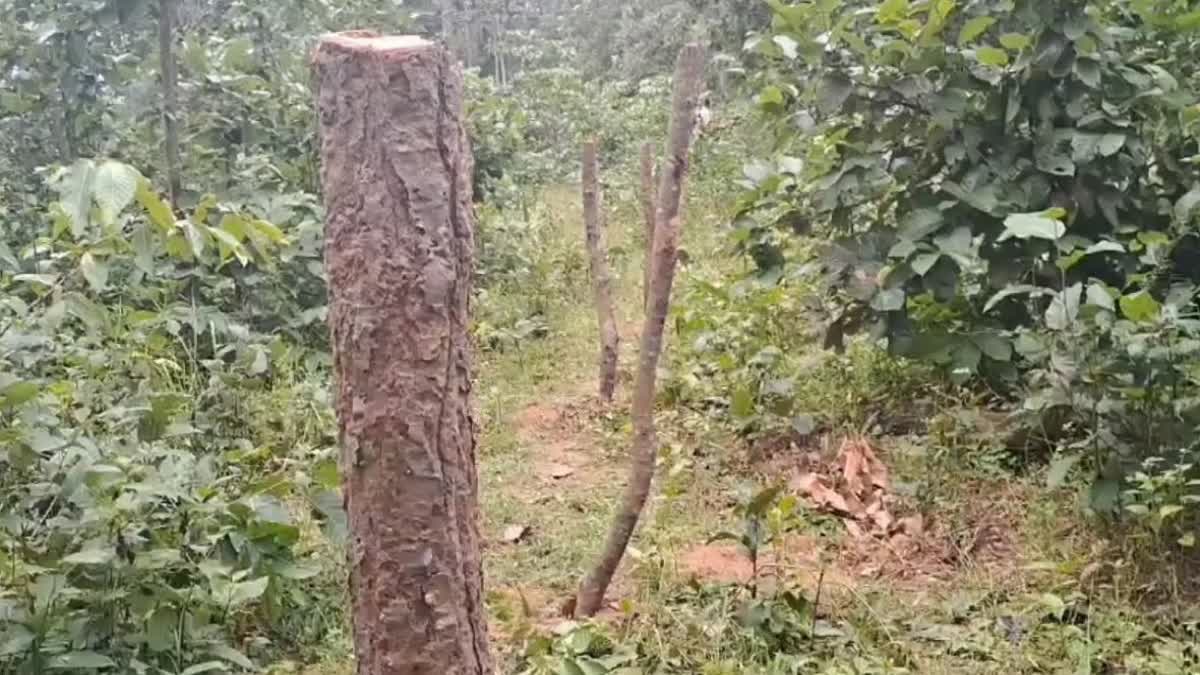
x: 143, y: 248
x: 81, y: 661
x: 742, y: 403
x: 984, y: 198
x: 74, y: 186
x: 1098, y: 295
x: 298, y: 570
x: 195, y: 237
x: 1015, y: 41
x: 890, y: 11
x: 1111, y: 144
x: 1070, y: 261
x: 1064, y: 308
x: 568, y: 666
x: 232, y: 655
x: 47, y: 280
x: 159, y: 211
x: 1169, y: 510
x: 1032, y: 226
x: 206, y: 204
x: 95, y: 271
x: 1105, y: 246
x: 955, y: 243
x: 973, y: 28
x: 590, y: 666
x: 91, y: 556
x: 1088, y: 72
x: 992, y: 56
x: 924, y: 262
x: 238, y: 53
x: 1054, y: 163
x: 993, y: 346
x: 161, y: 629
x: 787, y: 45
x: 273, y: 234
x: 770, y: 98
x: 920, y: 223
x: 1104, y: 495
x: 206, y: 667
x: 1085, y: 146
x: 1060, y: 467
x: 227, y: 244
x: 93, y: 314
x: 247, y: 591
x: 964, y: 364
x: 115, y: 185
x: 902, y: 249
x: 1140, y: 307
x: 326, y: 474
x: 1187, y: 204
x: 17, y: 393
x: 834, y: 91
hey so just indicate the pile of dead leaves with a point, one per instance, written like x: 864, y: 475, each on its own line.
x: 854, y: 486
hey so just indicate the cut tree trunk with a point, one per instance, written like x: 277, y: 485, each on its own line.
x: 396, y: 174
x: 689, y: 80
x: 597, y: 249
x: 648, y: 198
x: 170, y: 93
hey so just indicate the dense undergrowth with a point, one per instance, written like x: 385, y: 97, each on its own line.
x: 1018, y: 340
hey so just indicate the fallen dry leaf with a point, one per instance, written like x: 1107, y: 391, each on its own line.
x: 852, y: 466
x: 811, y: 486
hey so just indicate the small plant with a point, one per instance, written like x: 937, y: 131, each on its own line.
x: 580, y: 650
x: 762, y: 518
x: 1164, y: 496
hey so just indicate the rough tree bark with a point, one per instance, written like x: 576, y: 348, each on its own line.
x: 610, y: 340
x: 396, y: 174
x: 689, y: 79
x: 648, y: 197
x: 170, y: 92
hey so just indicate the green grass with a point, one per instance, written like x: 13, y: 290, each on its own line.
x: 970, y: 605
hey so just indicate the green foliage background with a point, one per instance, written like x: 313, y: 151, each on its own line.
x: 993, y: 201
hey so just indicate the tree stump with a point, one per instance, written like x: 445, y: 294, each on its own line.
x: 396, y: 173
x: 597, y: 249
x: 689, y: 80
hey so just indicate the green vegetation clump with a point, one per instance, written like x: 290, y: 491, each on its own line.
x: 963, y: 233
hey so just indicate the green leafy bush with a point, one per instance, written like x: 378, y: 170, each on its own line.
x: 135, y: 531
x: 1008, y: 191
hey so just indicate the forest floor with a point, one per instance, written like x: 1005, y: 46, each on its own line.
x: 959, y: 569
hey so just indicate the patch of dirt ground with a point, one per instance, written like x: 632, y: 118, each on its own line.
x: 895, y: 543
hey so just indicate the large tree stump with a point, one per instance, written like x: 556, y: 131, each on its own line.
x: 396, y: 172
